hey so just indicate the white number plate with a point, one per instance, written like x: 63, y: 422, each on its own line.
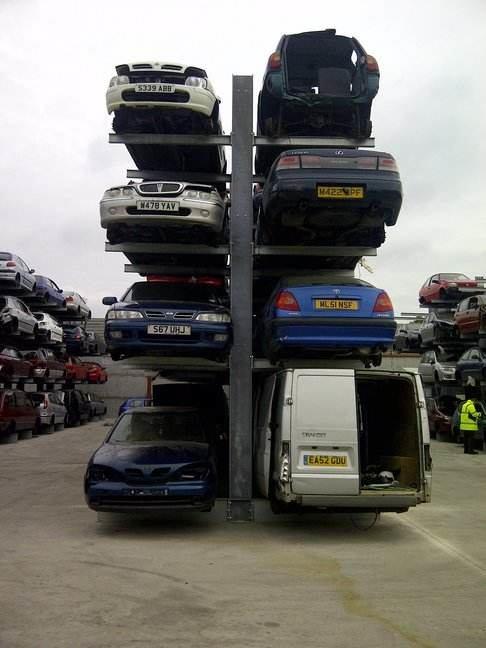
x: 158, y: 205
x: 168, y: 329
x: 154, y: 87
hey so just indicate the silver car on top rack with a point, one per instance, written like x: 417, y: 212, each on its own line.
x: 161, y: 211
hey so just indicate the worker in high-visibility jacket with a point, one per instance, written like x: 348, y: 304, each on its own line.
x: 469, y: 417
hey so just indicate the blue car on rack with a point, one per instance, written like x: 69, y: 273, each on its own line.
x: 170, y: 315
x: 154, y: 458
x: 48, y: 292
x: 327, y: 316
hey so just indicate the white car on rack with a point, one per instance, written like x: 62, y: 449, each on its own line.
x: 15, y: 273
x: 161, y: 210
x: 49, y: 329
x: 16, y: 318
x: 76, y: 305
x: 169, y: 86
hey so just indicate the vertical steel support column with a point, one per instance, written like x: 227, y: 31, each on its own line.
x: 240, y: 477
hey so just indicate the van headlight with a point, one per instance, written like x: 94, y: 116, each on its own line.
x: 197, y: 82
x: 119, y: 80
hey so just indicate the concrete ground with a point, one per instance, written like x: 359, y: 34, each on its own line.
x: 67, y: 580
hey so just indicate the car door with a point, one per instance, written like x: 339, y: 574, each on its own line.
x: 27, y: 279
x: 21, y: 315
x: 470, y: 316
x: 426, y: 330
x: 425, y: 367
x: 24, y: 412
x: 431, y: 289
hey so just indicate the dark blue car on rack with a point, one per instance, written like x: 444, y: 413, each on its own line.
x: 154, y: 458
x: 325, y: 316
x: 169, y: 315
x: 48, y: 292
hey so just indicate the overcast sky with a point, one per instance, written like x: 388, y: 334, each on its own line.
x: 57, y: 57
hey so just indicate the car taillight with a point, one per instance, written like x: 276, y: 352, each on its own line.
x: 289, y: 162
x: 372, y: 64
x: 285, y: 300
x: 45, y: 404
x: 10, y: 264
x: 69, y: 299
x: 387, y: 164
x: 382, y: 303
x: 77, y: 336
x: 274, y: 62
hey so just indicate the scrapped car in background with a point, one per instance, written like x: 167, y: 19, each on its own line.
x: 163, y: 211
x: 438, y: 328
x: 330, y: 197
x: 449, y: 287
x: 16, y: 318
x: 154, y: 458
x: 51, y: 410
x: 77, y: 406
x: 12, y: 365
x: 49, y: 329
x: 327, y: 316
x: 316, y: 83
x: 18, y: 416
x: 439, y: 421
x: 170, y: 315
x: 15, y: 274
x: 407, y: 336
x: 75, y: 339
x: 76, y: 305
x: 471, y: 367
x: 470, y: 316
x: 131, y: 403
x: 154, y: 97
x: 97, y: 406
x: 45, y: 365
x: 47, y: 292
x: 76, y: 369
x: 96, y: 373
x: 437, y: 367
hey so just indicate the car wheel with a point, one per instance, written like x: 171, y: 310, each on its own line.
x: 25, y: 434
x: 11, y: 436
x: 59, y: 426
x: 436, y: 377
x: 115, y: 355
x: 51, y: 427
x: 421, y: 300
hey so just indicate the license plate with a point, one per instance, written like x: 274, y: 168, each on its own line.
x: 142, y: 491
x: 154, y: 87
x: 168, y: 329
x: 158, y: 205
x: 341, y: 193
x: 333, y: 461
x: 336, y: 304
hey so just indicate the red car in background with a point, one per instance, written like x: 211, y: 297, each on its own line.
x: 96, y: 373
x: 449, y: 287
x: 76, y: 369
x: 470, y: 315
x: 12, y: 365
x: 18, y: 416
x: 44, y: 364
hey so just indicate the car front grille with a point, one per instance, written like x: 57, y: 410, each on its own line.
x: 137, y: 476
x: 160, y: 314
x: 157, y: 76
x: 164, y: 188
x: 184, y: 211
x: 169, y: 97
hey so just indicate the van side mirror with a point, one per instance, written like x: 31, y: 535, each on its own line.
x: 109, y: 301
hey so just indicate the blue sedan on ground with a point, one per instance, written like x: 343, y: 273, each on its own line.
x: 325, y: 317
x: 154, y: 458
x: 169, y: 315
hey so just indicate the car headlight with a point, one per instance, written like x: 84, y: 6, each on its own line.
x: 114, y: 192
x: 197, y: 82
x: 193, y: 473
x: 191, y: 194
x: 119, y: 80
x: 213, y: 317
x: 128, y: 191
x: 123, y: 314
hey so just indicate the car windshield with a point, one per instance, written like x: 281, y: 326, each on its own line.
x: 37, y: 397
x: 158, y: 428
x: 158, y: 291
x: 5, y: 256
x: 451, y: 276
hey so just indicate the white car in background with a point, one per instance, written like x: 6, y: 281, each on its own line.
x: 169, y: 86
x: 16, y: 318
x: 49, y: 329
x: 158, y: 210
x: 15, y: 274
x: 76, y: 305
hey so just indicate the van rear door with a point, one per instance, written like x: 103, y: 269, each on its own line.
x: 324, y: 433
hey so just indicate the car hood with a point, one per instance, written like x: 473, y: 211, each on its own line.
x: 171, y: 452
x: 169, y: 305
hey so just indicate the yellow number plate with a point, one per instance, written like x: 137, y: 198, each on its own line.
x: 331, y: 461
x: 341, y: 193
x: 336, y: 304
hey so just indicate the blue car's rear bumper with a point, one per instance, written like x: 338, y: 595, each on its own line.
x: 119, y: 496
x: 330, y: 333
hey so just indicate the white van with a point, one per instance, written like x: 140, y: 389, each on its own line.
x: 342, y: 439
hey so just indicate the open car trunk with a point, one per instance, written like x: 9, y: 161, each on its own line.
x: 322, y: 64
x: 389, y: 433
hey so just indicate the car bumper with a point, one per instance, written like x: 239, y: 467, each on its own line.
x: 192, y: 98
x: 8, y: 277
x: 119, y: 497
x: 192, y: 214
x: 132, y: 337
x: 331, y: 333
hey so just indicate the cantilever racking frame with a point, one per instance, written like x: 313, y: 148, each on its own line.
x: 242, y: 252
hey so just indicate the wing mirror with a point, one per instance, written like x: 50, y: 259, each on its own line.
x: 31, y: 271
x: 109, y: 301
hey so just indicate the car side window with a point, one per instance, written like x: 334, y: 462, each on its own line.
x: 474, y: 355
x: 20, y: 399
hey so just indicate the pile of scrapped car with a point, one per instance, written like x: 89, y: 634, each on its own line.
x: 317, y: 84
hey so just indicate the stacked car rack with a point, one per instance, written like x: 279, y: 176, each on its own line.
x: 242, y: 261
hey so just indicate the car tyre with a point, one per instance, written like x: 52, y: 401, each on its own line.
x: 51, y: 427
x: 25, y: 434
x: 11, y: 436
